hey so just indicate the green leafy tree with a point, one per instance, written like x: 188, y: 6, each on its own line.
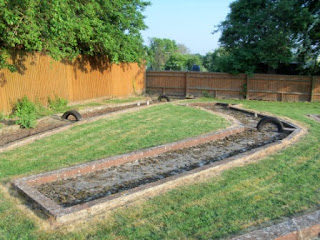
x: 218, y: 61
x: 64, y: 29
x: 306, y: 26
x: 160, y: 51
x: 194, y: 59
x: 270, y: 32
x: 256, y: 32
x: 177, y: 62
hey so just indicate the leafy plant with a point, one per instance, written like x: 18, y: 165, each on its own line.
x: 205, y: 94
x: 26, y: 112
x: 58, y: 103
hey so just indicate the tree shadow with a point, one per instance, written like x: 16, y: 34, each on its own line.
x: 3, y: 80
x: 19, y: 58
x: 88, y: 64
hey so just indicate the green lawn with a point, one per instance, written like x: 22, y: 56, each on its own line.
x: 284, y: 184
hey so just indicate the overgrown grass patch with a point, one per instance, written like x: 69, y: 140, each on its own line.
x: 282, y: 185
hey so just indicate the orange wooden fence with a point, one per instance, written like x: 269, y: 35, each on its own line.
x: 223, y: 85
x: 39, y: 77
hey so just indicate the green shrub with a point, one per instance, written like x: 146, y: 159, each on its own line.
x: 57, y: 104
x: 26, y: 112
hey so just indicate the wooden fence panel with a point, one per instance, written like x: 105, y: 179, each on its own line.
x: 223, y: 85
x: 280, y: 87
x: 39, y: 77
x: 316, y: 89
x: 171, y: 83
x: 113, y: 81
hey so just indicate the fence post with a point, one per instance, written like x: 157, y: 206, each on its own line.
x: 247, y: 87
x: 313, y: 83
x: 187, y: 84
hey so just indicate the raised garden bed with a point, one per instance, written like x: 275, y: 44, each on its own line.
x: 104, y: 184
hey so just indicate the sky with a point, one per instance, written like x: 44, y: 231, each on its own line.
x: 188, y: 22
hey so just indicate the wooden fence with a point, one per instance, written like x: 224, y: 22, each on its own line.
x: 39, y: 77
x: 223, y: 85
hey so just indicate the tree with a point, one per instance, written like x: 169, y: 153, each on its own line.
x: 160, y: 51
x: 183, y: 49
x: 177, y: 62
x: 307, y: 33
x: 193, y: 59
x: 64, y: 29
x: 271, y: 32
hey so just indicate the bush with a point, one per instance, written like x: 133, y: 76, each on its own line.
x: 57, y: 104
x: 26, y: 112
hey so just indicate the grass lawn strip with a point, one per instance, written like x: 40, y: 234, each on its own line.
x: 285, y: 184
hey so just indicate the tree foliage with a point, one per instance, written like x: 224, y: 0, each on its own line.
x: 160, y: 51
x: 166, y: 54
x: 64, y: 29
x: 270, y: 32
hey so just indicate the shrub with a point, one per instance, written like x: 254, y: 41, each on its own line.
x: 26, y: 112
x: 57, y: 104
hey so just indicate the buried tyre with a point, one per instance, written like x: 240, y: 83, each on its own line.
x: 269, y: 121
x: 163, y: 98
x: 77, y: 116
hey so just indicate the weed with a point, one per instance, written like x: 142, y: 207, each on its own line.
x: 57, y: 104
x: 205, y: 94
x: 26, y: 112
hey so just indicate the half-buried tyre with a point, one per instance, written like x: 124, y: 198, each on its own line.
x: 269, y: 120
x: 163, y: 98
x: 77, y: 116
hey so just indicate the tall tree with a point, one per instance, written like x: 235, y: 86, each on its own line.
x: 67, y: 28
x: 307, y: 32
x: 271, y: 32
x: 256, y: 31
x: 160, y: 51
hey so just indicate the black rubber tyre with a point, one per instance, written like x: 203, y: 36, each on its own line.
x: 73, y: 113
x: 267, y: 120
x: 163, y: 97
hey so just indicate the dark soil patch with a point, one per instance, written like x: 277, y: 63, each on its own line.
x: 19, y: 133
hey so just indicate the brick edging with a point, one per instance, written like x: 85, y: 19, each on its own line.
x: 296, y: 228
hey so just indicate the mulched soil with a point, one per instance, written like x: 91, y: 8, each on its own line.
x: 14, y: 133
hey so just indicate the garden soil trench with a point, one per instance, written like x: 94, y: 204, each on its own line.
x: 73, y: 194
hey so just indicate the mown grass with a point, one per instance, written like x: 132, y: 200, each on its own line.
x: 284, y: 184
x: 124, y: 100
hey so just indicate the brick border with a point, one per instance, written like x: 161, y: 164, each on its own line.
x: 297, y: 228
x: 97, y: 206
